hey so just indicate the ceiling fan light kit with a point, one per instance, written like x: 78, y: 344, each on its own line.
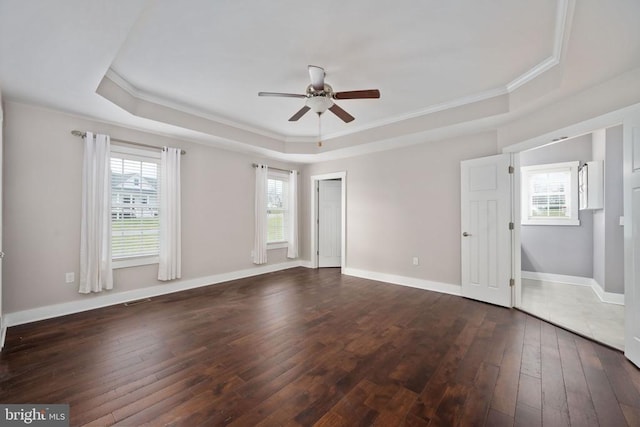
x: 319, y: 104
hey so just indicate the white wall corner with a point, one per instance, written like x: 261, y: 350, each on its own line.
x: 110, y: 298
x: 412, y: 282
x: 604, y: 296
x: 306, y: 263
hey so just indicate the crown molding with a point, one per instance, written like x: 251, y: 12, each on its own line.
x: 564, y: 15
x: 460, y: 102
x: 154, y: 99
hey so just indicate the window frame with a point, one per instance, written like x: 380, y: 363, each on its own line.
x: 280, y: 176
x: 136, y: 154
x: 572, y: 194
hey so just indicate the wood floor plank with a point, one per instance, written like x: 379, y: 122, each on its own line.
x: 526, y: 416
x: 531, y: 351
x: 476, y: 406
x: 308, y: 347
x: 605, y: 402
x: 506, y: 389
x: 530, y: 391
x: 555, y: 410
x: 631, y: 415
x: 579, y: 400
x: 619, y: 378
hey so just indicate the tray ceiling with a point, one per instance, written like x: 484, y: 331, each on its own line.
x: 194, y: 68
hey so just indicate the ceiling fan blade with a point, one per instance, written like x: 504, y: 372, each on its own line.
x: 346, y: 117
x: 316, y: 74
x: 286, y: 95
x: 299, y: 114
x: 357, y: 94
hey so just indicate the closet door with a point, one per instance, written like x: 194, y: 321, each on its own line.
x: 631, y: 171
x: 3, y: 329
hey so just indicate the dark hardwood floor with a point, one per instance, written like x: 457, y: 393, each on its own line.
x: 312, y: 347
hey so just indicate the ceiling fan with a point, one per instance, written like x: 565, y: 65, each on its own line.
x: 319, y: 96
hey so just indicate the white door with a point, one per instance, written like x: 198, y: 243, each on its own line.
x: 3, y: 329
x: 631, y: 173
x: 486, y: 236
x: 329, y: 223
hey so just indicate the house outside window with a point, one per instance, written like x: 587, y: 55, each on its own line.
x: 277, y: 207
x: 550, y: 194
x: 135, y: 226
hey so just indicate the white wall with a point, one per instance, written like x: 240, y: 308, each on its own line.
x: 404, y: 203
x: 400, y: 203
x: 539, y: 118
x: 599, y: 149
x: 43, y: 163
x: 614, y: 209
x: 608, y: 235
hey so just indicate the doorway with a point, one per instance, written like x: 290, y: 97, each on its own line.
x: 328, y: 220
x: 573, y: 272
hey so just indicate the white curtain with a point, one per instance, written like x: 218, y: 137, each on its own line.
x: 292, y: 248
x: 95, y: 232
x: 260, y: 242
x: 170, y: 233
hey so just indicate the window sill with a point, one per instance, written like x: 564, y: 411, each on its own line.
x: 134, y: 262
x: 573, y: 222
x: 277, y: 245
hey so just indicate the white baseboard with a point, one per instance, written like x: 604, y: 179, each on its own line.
x: 558, y: 278
x: 306, y: 264
x: 111, y: 298
x: 608, y: 297
x: 411, y: 282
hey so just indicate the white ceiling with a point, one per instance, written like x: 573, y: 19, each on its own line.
x: 126, y: 62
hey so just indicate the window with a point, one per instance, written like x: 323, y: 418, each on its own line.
x: 135, y: 226
x: 550, y: 194
x: 277, y: 206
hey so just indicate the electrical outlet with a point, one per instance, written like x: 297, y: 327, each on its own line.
x: 70, y: 277
x: 416, y: 260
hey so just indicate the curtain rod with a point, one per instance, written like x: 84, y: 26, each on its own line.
x: 139, y: 144
x: 255, y: 165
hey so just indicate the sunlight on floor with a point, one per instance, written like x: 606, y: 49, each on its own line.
x: 576, y: 308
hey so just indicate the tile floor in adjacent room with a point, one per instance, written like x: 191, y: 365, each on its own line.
x: 576, y: 308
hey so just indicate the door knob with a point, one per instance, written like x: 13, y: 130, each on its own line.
x: 465, y: 234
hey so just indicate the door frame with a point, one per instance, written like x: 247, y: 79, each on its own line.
x: 315, y: 179
x: 607, y: 120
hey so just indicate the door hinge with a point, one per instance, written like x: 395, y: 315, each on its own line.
x: 512, y: 283
x: 317, y: 252
x: 512, y: 169
x: 511, y: 225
